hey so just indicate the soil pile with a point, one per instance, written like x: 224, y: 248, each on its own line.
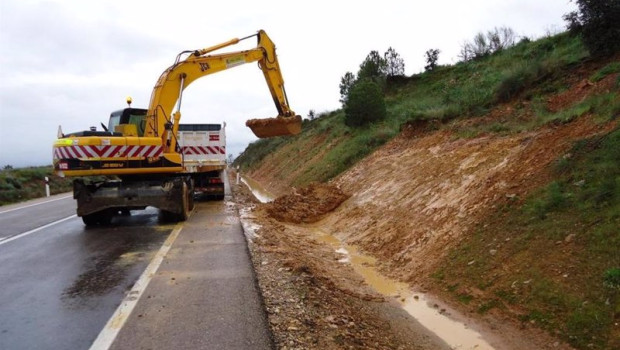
x: 306, y: 205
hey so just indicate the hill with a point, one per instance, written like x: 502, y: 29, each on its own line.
x: 494, y: 183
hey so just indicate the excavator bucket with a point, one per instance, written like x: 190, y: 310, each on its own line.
x: 278, y: 126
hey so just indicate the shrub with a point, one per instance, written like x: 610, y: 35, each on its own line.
x: 483, y: 45
x: 365, y: 104
x: 516, y: 80
x: 611, y: 279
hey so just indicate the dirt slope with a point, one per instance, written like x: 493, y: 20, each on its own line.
x: 314, y: 302
x: 415, y: 197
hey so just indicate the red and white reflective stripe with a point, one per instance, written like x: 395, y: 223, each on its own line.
x: 191, y: 150
x: 108, y: 151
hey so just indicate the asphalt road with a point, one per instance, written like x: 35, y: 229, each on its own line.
x: 62, y: 284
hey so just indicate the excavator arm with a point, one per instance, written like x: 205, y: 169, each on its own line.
x: 163, y: 120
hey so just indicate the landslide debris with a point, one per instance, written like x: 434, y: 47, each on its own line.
x: 306, y: 205
x: 313, y: 301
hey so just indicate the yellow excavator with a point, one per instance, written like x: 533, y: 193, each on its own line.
x: 138, y: 153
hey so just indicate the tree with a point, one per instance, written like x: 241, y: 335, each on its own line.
x: 373, y: 67
x: 395, y: 65
x: 365, y: 104
x: 597, y: 22
x: 346, y: 82
x: 431, y: 56
x: 311, y: 114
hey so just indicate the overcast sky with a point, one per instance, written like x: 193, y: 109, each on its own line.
x: 71, y: 63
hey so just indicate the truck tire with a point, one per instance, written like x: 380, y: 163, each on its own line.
x: 103, y: 218
x: 184, y: 214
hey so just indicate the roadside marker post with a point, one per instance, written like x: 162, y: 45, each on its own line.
x: 47, y: 186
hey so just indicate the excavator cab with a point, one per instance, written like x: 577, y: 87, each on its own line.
x: 128, y: 122
x: 278, y: 126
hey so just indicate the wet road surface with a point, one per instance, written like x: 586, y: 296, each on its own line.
x: 204, y: 295
x: 60, y: 284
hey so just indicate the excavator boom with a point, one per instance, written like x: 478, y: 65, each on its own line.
x: 163, y: 122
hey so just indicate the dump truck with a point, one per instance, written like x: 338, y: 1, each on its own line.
x: 138, y: 153
x: 204, y: 157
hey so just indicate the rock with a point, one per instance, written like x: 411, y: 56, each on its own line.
x: 493, y: 251
x: 570, y: 238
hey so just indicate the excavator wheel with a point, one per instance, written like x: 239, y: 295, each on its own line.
x: 278, y: 126
x: 186, y: 199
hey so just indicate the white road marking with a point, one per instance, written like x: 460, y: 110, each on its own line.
x: 23, y: 234
x: 117, y: 321
x: 32, y: 205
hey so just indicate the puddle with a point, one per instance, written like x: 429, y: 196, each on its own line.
x: 258, y: 190
x: 249, y: 227
x: 456, y: 334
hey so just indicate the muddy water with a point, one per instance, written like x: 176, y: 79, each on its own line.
x: 258, y: 190
x: 455, y: 333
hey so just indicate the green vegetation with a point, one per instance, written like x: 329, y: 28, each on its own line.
x: 574, y: 291
x: 365, y: 104
x: 597, y: 22
x: 528, y: 73
x: 21, y: 184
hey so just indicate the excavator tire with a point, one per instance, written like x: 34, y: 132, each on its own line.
x: 186, y: 205
x: 278, y: 126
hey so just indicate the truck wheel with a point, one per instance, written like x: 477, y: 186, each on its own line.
x: 185, y: 208
x: 90, y: 219
x: 103, y: 217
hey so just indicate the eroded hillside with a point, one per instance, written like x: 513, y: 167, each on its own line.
x: 435, y: 204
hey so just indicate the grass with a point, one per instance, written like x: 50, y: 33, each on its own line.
x: 26, y: 183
